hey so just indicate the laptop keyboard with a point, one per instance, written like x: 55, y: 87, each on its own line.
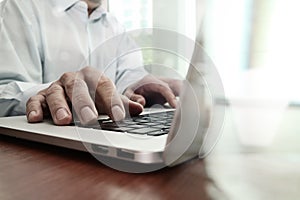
x: 153, y: 124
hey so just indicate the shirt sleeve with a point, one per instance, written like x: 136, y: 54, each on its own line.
x: 130, y: 67
x: 21, y: 73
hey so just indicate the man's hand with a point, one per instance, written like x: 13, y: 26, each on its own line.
x: 80, y: 89
x: 151, y: 90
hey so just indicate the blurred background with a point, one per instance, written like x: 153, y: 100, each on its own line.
x: 254, y: 45
x: 238, y: 35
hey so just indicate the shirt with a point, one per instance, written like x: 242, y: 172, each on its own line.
x: 40, y: 40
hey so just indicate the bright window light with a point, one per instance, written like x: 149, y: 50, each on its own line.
x: 133, y: 14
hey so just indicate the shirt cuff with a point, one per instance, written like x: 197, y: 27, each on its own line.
x: 27, y: 90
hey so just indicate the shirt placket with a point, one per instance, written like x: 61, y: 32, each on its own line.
x: 89, y: 39
x: 83, y: 10
x: 92, y: 41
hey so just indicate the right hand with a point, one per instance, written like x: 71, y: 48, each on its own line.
x: 79, y: 89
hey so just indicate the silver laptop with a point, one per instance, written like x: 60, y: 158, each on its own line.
x: 155, y: 139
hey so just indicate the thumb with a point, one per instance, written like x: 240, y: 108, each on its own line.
x: 138, y: 98
x: 135, y: 97
x: 132, y: 108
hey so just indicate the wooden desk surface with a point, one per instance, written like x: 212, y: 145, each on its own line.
x: 33, y: 171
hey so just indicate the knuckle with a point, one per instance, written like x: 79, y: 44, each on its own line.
x: 53, y: 89
x: 69, y: 85
x: 66, y: 77
x: 80, y: 92
x: 77, y: 87
x: 79, y: 83
x: 31, y: 99
x: 75, y: 84
x: 54, y: 102
x: 86, y: 69
x: 77, y: 91
x: 34, y: 99
x: 106, y: 92
x: 105, y: 82
x: 163, y: 87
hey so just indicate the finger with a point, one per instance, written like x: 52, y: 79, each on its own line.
x: 91, y: 76
x: 108, y: 99
x: 135, y: 97
x: 34, y: 108
x: 166, y: 92
x: 174, y: 84
x: 132, y: 108
x: 138, y: 98
x: 78, y: 93
x: 152, y: 84
x: 57, y: 103
x: 103, y: 91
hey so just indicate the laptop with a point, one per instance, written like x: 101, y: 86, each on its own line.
x: 157, y: 138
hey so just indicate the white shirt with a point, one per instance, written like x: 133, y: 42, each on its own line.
x: 42, y: 39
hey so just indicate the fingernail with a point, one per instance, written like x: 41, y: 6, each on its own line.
x: 32, y: 114
x: 175, y: 102
x: 61, y: 114
x: 118, y: 113
x: 87, y: 115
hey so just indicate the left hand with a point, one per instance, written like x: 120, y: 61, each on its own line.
x: 151, y: 90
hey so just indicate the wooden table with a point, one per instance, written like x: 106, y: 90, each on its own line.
x: 33, y: 171
x: 30, y: 171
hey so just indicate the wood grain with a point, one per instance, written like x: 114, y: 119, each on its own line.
x: 32, y: 171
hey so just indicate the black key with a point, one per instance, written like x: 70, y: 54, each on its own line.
x: 143, y: 130
x: 141, y: 121
x: 162, y: 127
x: 152, y: 124
x: 129, y: 122
x: 158, y: 133
x: 110, y: 124
x: 137, y: 126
